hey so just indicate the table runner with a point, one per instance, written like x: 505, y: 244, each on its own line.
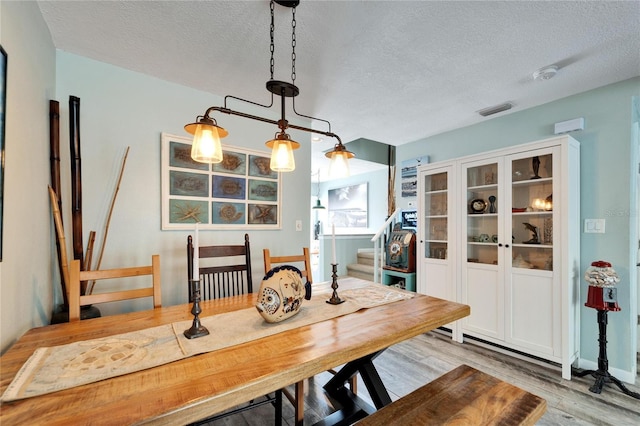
x: 51, y: 369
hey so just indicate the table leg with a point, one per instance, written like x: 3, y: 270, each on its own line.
x: 352, y: 407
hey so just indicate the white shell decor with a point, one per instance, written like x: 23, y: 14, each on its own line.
x: 601, y: 274
x: 281, y: 293
x: 519, y: 262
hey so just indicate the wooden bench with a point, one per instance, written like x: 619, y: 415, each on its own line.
x: 464, y: 396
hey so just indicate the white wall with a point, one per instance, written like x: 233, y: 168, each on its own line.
x: 26, y: 293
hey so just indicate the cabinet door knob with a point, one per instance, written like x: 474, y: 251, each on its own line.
x: 506, y: 245
x: 499, y: 244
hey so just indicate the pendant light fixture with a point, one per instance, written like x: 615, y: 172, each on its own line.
x: 206, y: 133
x: 318, y: 205
x: 339, y: 165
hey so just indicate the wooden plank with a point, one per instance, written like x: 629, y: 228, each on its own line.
x: 462, y: 396
x: 200, y: 386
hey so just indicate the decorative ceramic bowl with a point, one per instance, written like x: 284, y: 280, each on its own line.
x: 281, y: 293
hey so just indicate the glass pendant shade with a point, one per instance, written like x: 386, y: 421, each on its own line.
x: 339, y: 165
x: 282, y: 154
x: 206, y: 147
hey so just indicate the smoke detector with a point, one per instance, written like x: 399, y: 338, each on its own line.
x: 545, y: 73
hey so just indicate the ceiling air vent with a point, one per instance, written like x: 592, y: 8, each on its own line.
x: 495, y: 109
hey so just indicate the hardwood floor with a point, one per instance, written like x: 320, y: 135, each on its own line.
x: 408, y: 365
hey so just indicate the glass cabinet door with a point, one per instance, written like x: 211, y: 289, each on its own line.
x: 482, y: 213
x: 532, y: 211
x: 436, y: 211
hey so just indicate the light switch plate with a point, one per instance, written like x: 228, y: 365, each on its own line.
x: 298, y: 225
x: 594, y: 226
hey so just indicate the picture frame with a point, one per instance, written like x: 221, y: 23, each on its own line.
x: 409, y: 174
x: 348, y: 206
x: 3, y: 109
x: 241, y: 192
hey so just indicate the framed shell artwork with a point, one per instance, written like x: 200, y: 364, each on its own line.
x: 241, y: 192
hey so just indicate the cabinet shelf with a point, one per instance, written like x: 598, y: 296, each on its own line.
x: 543, y: 213
x: 437, y: 191
x: 436, y: 216
x: 529, y: 182
x: 532, y: 246
x: 482, y: 187
x: 477, y: 215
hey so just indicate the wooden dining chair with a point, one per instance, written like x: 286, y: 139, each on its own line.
x: 302, y: 262
x: 225, y: 271
x: 76, y: 276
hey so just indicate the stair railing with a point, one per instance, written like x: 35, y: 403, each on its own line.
x: 379, y: 243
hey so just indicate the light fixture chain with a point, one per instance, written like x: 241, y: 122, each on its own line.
x: 293, y: 45
x: 272, y: 46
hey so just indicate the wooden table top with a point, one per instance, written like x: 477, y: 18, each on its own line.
x: 197, y: 387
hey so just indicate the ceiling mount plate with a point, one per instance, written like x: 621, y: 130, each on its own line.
x: 282, y: 88
x: 293, y: 3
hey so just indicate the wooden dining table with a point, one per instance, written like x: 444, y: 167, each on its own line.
x: 193, y: 388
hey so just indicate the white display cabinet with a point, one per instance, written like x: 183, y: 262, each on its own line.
x: 515, y: 258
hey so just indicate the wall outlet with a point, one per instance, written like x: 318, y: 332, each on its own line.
x: 298, y: 225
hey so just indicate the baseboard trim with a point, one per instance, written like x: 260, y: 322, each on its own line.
x: 622, y: 375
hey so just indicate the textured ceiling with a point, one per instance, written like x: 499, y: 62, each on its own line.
x: 391, y: 71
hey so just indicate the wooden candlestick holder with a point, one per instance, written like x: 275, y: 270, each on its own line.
x: 197, y: 329
x: 335, y: 299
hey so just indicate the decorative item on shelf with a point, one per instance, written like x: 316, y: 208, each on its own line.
x: 542, y: 205
x: 492, y: 204
x: 519, y: 262
x: 478, y: 206
x: 207, y: 133
x: 483, y: 238
x: 518, y: 209
x: 494, y: 238
x: 489, y: 178
x: 548, y: 231
x: 535, y: 236
x: 535, y: 163
x: 602, y: 279
x: 281, y: 293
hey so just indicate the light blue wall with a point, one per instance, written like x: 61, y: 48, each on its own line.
x: 118, y: 108
x: 26, y: 291
x: 121, y: 108
x: 608, y: 169
x: 348, y: 241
